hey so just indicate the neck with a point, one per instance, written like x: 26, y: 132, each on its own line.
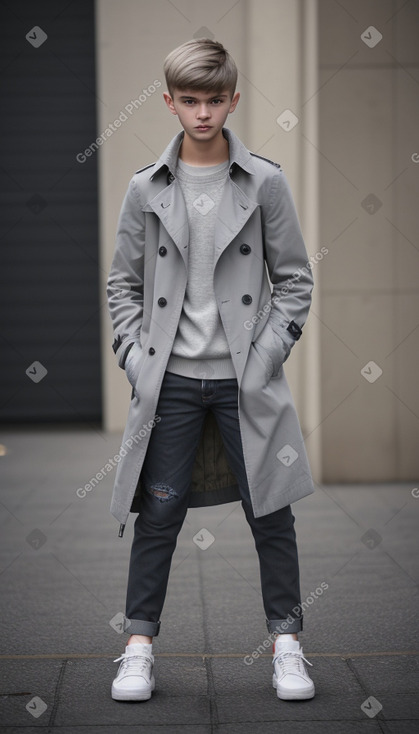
x: 204, y: 152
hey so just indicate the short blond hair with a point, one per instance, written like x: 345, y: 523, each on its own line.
x: 201, y: 64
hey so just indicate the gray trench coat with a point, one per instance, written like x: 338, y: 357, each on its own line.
x: 257, y: 233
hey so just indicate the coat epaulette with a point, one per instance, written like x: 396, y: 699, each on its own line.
x: 278, y: 165
x: 145, y: 168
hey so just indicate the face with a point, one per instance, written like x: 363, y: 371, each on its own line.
x: 201, y: 114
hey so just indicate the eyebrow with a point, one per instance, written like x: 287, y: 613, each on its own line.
x: 215, y: 96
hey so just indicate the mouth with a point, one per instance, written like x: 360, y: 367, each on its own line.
x: 203, y: 127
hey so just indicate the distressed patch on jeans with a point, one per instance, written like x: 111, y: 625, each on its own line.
x: 162, y: 492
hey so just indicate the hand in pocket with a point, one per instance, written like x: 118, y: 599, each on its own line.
x: 272, y: 349
x: 132, y: 363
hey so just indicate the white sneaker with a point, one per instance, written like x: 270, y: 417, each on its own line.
x: 290, y: 678
x: 135, y: 679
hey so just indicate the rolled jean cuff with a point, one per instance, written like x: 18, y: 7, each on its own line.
x: 285, y: 626
x: 141, y: 627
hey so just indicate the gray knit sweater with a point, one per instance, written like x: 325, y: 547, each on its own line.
x: 200, y: 348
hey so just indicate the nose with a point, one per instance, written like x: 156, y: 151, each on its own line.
x: 203, y: 111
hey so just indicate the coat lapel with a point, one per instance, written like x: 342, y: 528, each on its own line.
x: 234, y: 210
x: 169, y: 205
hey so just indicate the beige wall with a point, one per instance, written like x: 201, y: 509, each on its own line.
x: 368, y: 122
x: 357, y: 130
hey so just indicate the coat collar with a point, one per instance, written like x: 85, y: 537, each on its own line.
x: 238, y: 153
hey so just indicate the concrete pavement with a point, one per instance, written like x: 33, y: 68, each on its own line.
x: 63, y: 573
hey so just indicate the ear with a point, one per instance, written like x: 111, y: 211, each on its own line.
x: 234, y: 102
x: 169, y: 101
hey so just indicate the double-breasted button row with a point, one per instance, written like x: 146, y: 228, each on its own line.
x: 245, y: 249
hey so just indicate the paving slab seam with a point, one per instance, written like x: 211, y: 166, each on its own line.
x: 212, y: 697
x: 203, y: 655
x: 57, y: 694
x: 194, y: 727
x: 258, y: 722
x: 99, y: 727
x: 206, y: 658
x: 379, y: 718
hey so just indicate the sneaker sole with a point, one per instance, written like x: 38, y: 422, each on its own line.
x: 132, y: 695
x: 296, y: 695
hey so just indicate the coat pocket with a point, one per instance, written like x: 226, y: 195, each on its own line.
x: 133, y: 365
x: 272, y: 350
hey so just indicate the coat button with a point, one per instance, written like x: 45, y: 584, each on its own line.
x: 151, y: 350
x: 162, y: 302
x: 247, y: 299
x: 162, y: 250
x: 245, y: 249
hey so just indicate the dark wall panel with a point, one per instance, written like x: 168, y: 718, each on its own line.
x: 49, y: 271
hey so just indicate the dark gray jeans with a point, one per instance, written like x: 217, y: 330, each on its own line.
x: 166, y: 475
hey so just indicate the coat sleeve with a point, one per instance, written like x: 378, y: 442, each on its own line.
x: 125, y: 285
x: 288, y: 266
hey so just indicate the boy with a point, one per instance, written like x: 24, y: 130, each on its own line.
x: 202, y: 340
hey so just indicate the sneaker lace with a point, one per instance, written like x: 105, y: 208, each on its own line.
x: 133, y: 663
x: 291, y: 662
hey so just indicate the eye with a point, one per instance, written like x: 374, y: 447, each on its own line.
x: 217, y: 101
